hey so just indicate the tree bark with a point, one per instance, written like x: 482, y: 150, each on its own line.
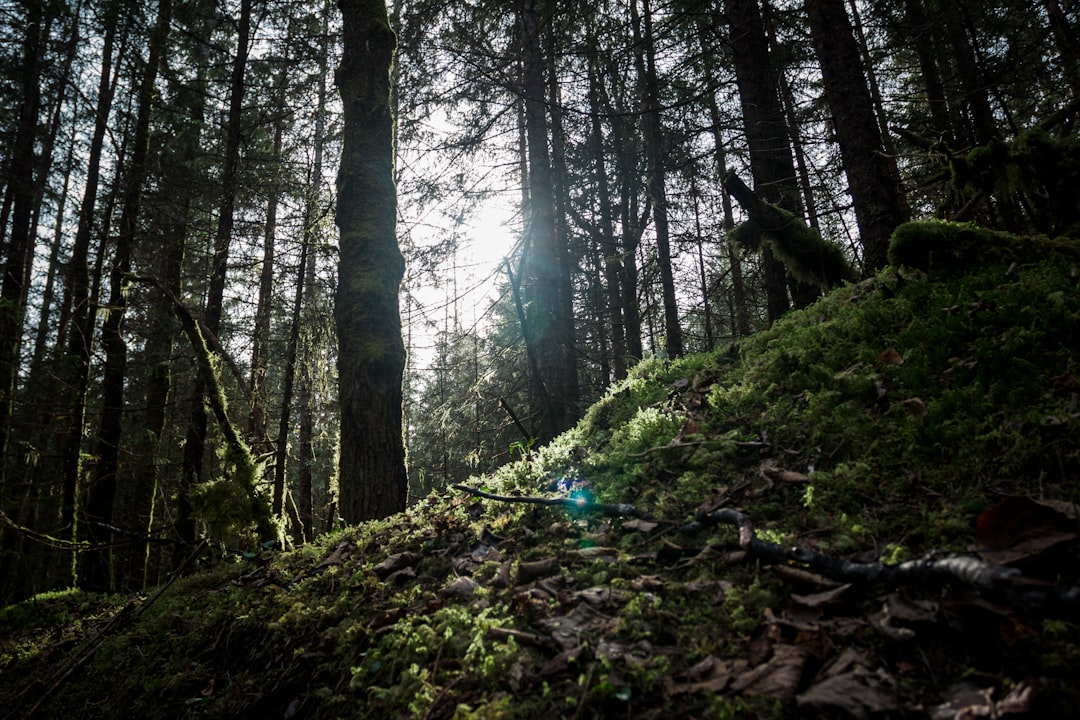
x: 95, y: 567
x: 766, y: 131
x: 569, y: 390
x: 544, y: 315
x: 922, y: 40
x: 260, y: 340
x: 606, y: 230
x: 306, y: 431
x: 371, y: 355
x: 21, y: 190
x: 739, y: 310
x: 194, y: 447
x: 871, y: 184
x: 652, y: 130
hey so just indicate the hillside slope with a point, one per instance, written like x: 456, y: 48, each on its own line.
x: 906, y: 416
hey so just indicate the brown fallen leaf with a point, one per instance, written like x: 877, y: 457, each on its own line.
x: 771, y: 471
x: 711, y: 675
x: 527, y: 572
x: 463, y: 587
x: 779, y: 678
x: 567, y: 630
x: 642, y: 526
x: 633, y: 654
x: 890, y: 357
x: 915, y: 406
x: 1019, y: 528
x: 394, y: 563
x: 819, y: 599
x: 851, y: 686
x: 598, y: 596
x: 341, y: 552
x: 965, y: 700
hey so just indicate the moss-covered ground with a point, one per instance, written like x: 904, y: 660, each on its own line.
x: 906, y: 415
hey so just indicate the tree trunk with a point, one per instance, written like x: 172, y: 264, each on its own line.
x: 922, y: 40
x: 871, y: 184
x: 544, y: 315
x: 657, y: 173
x: 569, y: 391
x: 182, y: 182
x: 21, y: 190
x: 306, y: 431
x: 1067, y: 46
x: 606, y: 236
x: 631, y: 219
x: 195, y: 443
x: 371, y: 355
x: 260, y: 340
x: 973, y: 86
x: 95, y: 567
x: 739, y: 311
x: 76, y: 309
x: 766, y: 132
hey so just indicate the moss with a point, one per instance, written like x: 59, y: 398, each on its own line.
x: 940, y: 246
x: 827, y: 393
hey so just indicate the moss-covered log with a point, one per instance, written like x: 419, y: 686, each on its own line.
x: 941, y: 246
x: 805, y: 254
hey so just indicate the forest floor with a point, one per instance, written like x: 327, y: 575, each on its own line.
x: 909, y: 417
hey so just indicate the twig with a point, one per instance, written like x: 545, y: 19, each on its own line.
x: 583, y: 504
x: 1005, y: 583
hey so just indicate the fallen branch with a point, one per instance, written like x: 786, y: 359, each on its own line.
x: 1002, y: 583
x: 581, y: 503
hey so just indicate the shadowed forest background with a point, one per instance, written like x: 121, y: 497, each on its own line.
x: 171, y: 165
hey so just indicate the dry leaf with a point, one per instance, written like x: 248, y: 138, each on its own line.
x: 711, y: 675
x: 527, y: 572
x: 1019, y: 528
x: 395, y: 563
x: 771, y: 471
x: 463, y: 587
x: 642, y: 526
x: 778, y: 678
x: 851, y: 686
x: 816, y: 600
x: 890, y: 357
x: 915, y: 406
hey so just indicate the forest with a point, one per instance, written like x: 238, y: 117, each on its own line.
x: 699, y: 358
x: 177, y: 320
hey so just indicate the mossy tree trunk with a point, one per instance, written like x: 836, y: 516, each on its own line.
x: 371, y: 352
x: 195, y: 443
